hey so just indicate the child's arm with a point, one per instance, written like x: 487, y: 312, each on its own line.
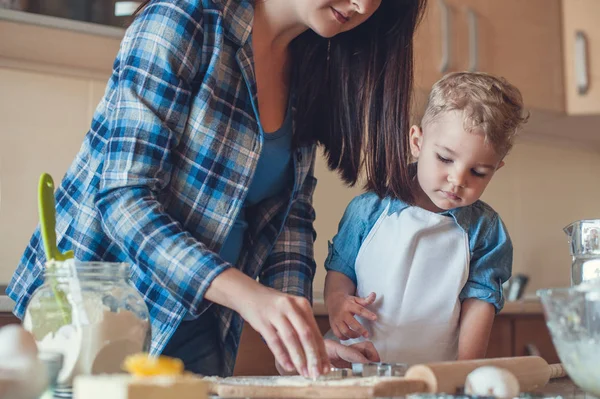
x: 476, y: 319
x: 482, y: 296
x: 342, y: 305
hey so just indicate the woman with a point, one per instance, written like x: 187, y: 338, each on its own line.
x: 198, y: 167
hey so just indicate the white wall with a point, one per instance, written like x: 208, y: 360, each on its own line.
x: 43, y: 119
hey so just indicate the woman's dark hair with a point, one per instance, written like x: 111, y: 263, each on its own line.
x: 354, y: 94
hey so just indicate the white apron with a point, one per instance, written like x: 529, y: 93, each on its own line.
x: 417, y: 263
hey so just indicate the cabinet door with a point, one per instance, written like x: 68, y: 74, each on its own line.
x: 521, y: 41
x: 501, y: 338
x: 8, y: 318
x: 533, y: 338
x: 437, y: 48
x: 581, y: 31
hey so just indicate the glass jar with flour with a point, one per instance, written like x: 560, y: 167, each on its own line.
x: 90, y: 313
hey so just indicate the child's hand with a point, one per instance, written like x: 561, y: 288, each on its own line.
x: 342, y: 308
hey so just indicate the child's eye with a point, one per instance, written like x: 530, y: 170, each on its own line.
x: 444, y: 160
x: 477, y: 174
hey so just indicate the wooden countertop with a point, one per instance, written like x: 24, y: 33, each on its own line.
x: 566, y: 388
x: 563, y: 388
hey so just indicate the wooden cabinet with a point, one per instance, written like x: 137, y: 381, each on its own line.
x: 521, y: 335
x: 550, y: 49
x: 8, y: 318
x: 512, y: 38
x: 533, y: 338
x: 501, y: 338
x: 581, y: 48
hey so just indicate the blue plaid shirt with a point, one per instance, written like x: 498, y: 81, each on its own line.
x: 165, y: 169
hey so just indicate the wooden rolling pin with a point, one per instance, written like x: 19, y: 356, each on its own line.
x: 533, y: 372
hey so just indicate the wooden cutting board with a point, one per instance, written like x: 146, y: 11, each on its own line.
x: 532, y: 372
x: 300, y: 387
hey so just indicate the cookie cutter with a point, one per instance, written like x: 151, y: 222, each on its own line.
x: 336, y: 374
x: 380, y: 369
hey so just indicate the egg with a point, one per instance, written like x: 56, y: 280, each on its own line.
x: 16, y: 341
x: 492, y: 381
x: 22, y: 374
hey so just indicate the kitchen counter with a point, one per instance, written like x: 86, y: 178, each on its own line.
x: 565, y: 388
x: 6, y: 304
x: 560, y: 388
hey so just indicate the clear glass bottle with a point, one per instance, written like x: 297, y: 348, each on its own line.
x: 88, y: 312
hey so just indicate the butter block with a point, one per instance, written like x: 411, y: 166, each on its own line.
x: 125, y: 386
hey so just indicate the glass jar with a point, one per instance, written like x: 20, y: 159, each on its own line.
x: 88, y: 312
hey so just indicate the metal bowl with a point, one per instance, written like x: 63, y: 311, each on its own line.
x: 573, y: 318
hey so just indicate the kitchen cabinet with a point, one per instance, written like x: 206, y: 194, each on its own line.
x: 581, y: 47
x: 8, y: 318
x: 533, y: 338
x: 550, y: 49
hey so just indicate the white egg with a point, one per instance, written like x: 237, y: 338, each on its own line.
x: 15, y: 341
x: 492, y: 381
x: 28, y: 381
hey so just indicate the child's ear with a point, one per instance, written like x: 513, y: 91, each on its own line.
x: 415, y: 137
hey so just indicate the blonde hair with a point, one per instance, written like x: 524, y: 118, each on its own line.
x: 489, y: 103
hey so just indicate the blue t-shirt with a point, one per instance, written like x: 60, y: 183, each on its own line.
x: 273, y: 175
x: 490, y: 246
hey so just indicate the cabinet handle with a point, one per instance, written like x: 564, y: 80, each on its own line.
x: 581, y: 63
x: 446, y: 45
x: 473, y: 40
x: 532, y: 350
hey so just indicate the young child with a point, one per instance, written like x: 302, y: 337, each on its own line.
x: 423, y: 281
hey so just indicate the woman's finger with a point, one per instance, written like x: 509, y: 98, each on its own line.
x: 306, y: 328
x: 277, y: 347
x: 368, y: 350
x: 292, y: 344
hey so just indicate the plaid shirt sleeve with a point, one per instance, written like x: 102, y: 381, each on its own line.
x: 291, y: 266
x: 148, y: 111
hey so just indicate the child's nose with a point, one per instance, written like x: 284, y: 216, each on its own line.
x: 457, y: 178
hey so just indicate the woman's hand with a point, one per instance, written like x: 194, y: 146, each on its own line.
x: 343, y: 356
x: 285, y: 322
x: 288, y: 326
x: 342, y: 308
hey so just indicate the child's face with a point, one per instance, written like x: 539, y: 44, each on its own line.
x: 454, y: 166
